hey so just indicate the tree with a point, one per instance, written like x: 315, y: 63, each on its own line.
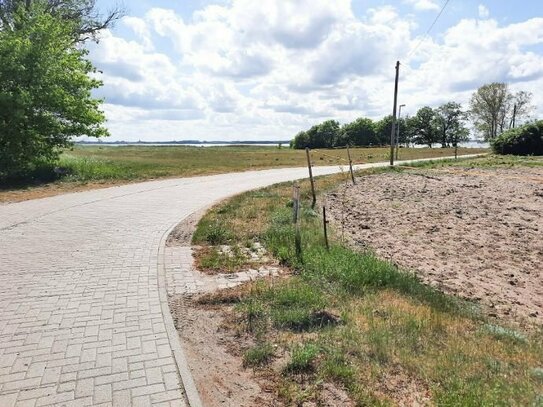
x: 301, y: 140
x: 361, y: 132
x: 45, y: 91
x: 423, y: 127
x: 324, y: 135
x: 492, y: 108
x: 82, y: 15
x: 523, y: 140
x: 449, y: 122
x: 382, y: 130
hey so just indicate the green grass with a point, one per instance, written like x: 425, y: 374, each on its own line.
x: 389, y: 327
x: 84, y: 165
x: 259, y: 355
x: 302, y: 358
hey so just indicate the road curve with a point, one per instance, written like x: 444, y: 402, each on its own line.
x: 83, y: 312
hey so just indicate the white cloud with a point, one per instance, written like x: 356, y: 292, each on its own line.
x: 483, y: 11
x: 272, y: 68
x: 423, y: 5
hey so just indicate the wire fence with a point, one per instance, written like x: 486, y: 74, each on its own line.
x: 348, y: 180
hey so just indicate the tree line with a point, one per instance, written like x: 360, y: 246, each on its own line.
x: 493, y: 108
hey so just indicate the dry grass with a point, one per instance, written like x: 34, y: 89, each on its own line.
x: 398, y: 342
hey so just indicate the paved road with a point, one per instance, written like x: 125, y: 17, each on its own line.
x: 83, y: 312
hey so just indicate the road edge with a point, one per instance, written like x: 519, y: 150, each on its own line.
x: 187, y: 381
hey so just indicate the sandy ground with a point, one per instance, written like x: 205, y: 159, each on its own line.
x: 218, y: 372
x: 476, y: 233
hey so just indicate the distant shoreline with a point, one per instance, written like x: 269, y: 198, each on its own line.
x: 185, y: 142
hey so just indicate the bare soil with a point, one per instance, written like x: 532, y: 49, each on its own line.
x: 214, y: 354
x: 475, y: 233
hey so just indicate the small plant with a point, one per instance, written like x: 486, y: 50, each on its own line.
x: 302, y: 359
x: 259, y: 355
x: 217, y: 234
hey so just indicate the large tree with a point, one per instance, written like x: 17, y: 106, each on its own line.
x: 360, y: 132
x: 423, y: 128
x: 82, y: 15
x: 382, y: 130
x: 45, y: 90
x: 494, y: 108
x: 323, y: 135
x: 449, y: 120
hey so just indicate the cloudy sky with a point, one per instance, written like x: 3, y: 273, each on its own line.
x: 266, y: 69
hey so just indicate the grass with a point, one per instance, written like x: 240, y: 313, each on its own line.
x: 86, y: 167
x: 390, y: 338
x: 259, y: 355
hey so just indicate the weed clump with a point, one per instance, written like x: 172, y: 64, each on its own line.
x: 302, y: 359
x: 259, y: 355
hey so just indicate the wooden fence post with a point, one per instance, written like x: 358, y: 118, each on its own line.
x: 295, y: 201
x: 311, y: 178
x: 325, y: 224
x: 350, y: 165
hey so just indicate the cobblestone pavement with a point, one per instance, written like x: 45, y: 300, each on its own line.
x: 183, y: 279
x: 82, y: 298
x: 83, y: 307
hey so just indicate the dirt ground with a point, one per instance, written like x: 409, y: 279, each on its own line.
x: 219, y: 374
x: 475, y: 233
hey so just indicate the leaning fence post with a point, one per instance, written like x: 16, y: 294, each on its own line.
x: 325, y: 224
x: 350, y: 164
x: 311, y: 178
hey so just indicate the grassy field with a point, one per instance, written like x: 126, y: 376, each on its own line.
x: 357, y: 321
x: 88, y: 167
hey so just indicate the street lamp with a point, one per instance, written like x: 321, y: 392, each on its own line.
x: 398, y: 132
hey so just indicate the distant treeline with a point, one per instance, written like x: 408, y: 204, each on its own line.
x: 493, y: 109
x: 444, y: 125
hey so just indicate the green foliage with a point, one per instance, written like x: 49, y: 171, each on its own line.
x: 423, y: 127
x: 524, y: 140
x: 259, y: 355
x: 302, y: 358
x: 45, y: 91
x: 361, y: 132
x: 494, y: 109
x: 449, y: 122
x: 324, y: 135
x: 382, y: 130
x: 85, y: 20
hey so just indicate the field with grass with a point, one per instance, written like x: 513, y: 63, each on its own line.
x: 86, y: 167
x: 358, y: 323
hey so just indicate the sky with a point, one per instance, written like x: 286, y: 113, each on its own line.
x: 267, y: 69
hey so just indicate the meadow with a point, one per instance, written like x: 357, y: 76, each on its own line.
x: 87, y: 167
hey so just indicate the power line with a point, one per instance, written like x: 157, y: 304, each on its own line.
x: 429, y: 29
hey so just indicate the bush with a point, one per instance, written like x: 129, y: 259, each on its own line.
x: 525, y: 140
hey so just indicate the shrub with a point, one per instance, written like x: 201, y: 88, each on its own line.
x: 525, y: 140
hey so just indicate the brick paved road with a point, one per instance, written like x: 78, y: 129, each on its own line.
x: 82, y: 295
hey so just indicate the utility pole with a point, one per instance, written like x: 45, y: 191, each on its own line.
x: 398, y: 131
x: 393, y: 129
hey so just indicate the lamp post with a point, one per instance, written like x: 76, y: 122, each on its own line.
x: 398, y: 132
